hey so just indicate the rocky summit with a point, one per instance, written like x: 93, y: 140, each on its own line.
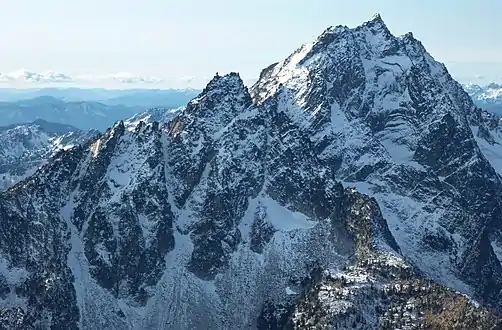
x: 354, y: 186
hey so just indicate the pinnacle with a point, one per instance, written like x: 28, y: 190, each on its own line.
x: 376, y: 17
x: 376, y: 21
x: 230, y: 78
x: 229, y: 87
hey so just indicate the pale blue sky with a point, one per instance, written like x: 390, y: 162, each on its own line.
x: 184, y: 38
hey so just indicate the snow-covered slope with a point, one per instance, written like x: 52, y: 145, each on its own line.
x: 398, y: 128
x: 160, y: 115
x: 224, y: 217
x: 24, y: 148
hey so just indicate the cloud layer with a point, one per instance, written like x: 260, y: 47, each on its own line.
x: 34, y: 77
x: 51, y: 77
x: 23, y: 78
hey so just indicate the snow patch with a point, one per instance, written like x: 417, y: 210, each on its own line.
x: 283, y: 219
x: 95, y: 148
x: 492, y: 151
x: 290, y: 292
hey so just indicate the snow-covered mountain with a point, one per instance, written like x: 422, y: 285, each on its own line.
x: 160, y: 115
x: 246, y: 210
x: 488, y: 97
x: 400, y: 129
x: 24, y: 148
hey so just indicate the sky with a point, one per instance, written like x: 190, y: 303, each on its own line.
x: 186, y: 42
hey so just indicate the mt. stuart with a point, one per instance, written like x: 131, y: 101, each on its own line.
x: 346, y: 188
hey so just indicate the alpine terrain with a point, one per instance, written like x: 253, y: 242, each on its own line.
x: 160, y: 115
x: 354, y: 186
x: 488, y: 97
x: 25, y: 147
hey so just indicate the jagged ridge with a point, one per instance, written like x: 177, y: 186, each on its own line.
x: 237, y: 201
x: 25, y: 147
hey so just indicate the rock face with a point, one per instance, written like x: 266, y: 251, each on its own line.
x: 24, y: 148
x: 241, y: 211
x: 401, y: 130
x: 370, y: 298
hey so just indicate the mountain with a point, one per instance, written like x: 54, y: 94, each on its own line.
x: 143, y: 98
x: 90, y: 114
x: 488, y: 97
x: 153, y: 98
x: 24, y: 148
x: 160, y: 115
x: 399, y: 128
x: 346, y: 189
x: 83, y: 115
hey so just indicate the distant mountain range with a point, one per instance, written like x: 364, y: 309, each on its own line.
x: 82, y: 115
x: 145, y: 98
x: 84, y: 108
x: 488, y: 97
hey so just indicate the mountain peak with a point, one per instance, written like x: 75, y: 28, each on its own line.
x: 223, y: 98
x: 230, y: 79
x: 369, y: 39
x: 376, y: 18
x: 226, y: 87
x: 409, y: 35
x: 376, y: 24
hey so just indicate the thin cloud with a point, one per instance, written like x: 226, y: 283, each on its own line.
x: 23, y: 78
x: 51, y: 77
x: 35, y: 77
x: 121, y: 77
